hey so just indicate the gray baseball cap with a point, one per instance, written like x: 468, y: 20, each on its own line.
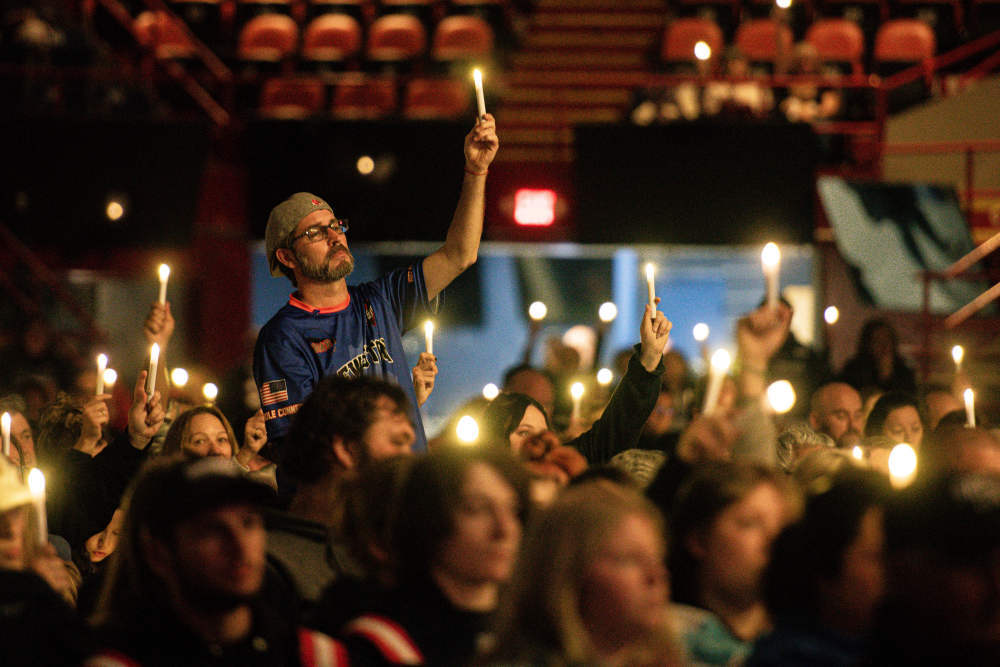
x: 284, y: 219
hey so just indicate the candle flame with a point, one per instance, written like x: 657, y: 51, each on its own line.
x: 102, y: 361
x: 477, y: 76
x: 721, y: 360
x: 770, y: 255
x: 831, y: 315
x: 604, y: 377
x: 902, y: 464
x: 210, y: 391
x: 110, y: 377
x: 607, y: 312
x: 428, y: 327
x: 164, y: 271
x: 650, y: 271
x: 179, y: 376
x: 969, y: 395
x: 36, y: 483
x: 154, y: 353
x: 576, y: 390
x: 490, y: 391
x: 467, y: 430
x: 537, y: 311
x: 958, y: 353
x: 701, y: 332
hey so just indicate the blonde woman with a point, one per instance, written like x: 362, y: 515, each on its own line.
x: 591, y: 587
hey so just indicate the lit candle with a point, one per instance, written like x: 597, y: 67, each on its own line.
x: 605, y: 376
x: 164, y: 271
x: 179, y: 377
x: 110, y: 376
x: 102, y: 364
x: 467, y: 430
x: 718, y: 369
x: 36, y: 484
x: 700, y: 332
x: 429, y: 336
x: 781, y: 396
x: 477, y: 77
x: 537, y: 311
x: 858, y: 453
x: 649, y: 286
x: 576, y: 391
x: 770, y: 260
x: 831, y: 315
x: 957, y: 354
x: 210, y: 391
x: 902, y: 465
x: 970, y: 407
x: 490, y: 391
x: 607, y: 312
x: 154, y: 360
x: 5, y: 426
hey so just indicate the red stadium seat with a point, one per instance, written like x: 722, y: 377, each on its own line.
x: 363, y: 98
x: 436, y: 99
x: 164, y: 35
x: 904, y: 40
x: 292, y: 97
x: 331, y: 38
x: 764, y: 40
x: 838, y: 40
x: 682, y: 34
x: 396, y: 37
x: 268, y: 38
x: 462, y: 37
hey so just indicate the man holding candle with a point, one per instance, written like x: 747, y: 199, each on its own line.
x: 330, y: 327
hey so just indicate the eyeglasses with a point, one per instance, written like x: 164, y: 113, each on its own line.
x: 317, y: 232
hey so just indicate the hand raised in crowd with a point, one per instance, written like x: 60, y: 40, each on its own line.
x: 424, y: 374
x: 653, y: 335
x: 146, y: 414
x: 159, y: 325
x: 761, y: 333
x: 481, y: 145
x: 254, y: 438
x: 94, y: 415
x: 47, y: 565
x: 708, y: 438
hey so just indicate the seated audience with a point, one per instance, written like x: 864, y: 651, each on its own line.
x: 826, y: 576
x: 185, y: 587
x: 723, y: 522
x: 454, y: 539
x: 590, y: 587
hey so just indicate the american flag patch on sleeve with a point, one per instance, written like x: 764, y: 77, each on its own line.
x: 275, y: 391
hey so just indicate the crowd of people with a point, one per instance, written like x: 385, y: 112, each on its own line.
x: 658, y: 528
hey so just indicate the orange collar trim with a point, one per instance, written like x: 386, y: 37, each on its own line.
x: 302, y: 305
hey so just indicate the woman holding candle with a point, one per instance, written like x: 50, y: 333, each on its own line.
x: 39, y: 627
x: 512, y: 420
x: 87, y: 466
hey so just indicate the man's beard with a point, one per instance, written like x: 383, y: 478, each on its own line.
x: 327, y: 271
x: 203, y: 595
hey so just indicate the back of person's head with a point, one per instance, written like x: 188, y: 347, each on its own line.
x: 542, y: 612
x: 709, y: 490
x: 535, y: 382
x: 814, y: 471
x: 888, y: 402
x: 955, y: 448
x: 943, y: 546
x: 178, y: 440
x: 338, y: 407
x: 432, y: 496
x: 808, y: 556
x: 370, y: 503
x: 166, y: 492
x: 59, y: 428
x: 797, y: 440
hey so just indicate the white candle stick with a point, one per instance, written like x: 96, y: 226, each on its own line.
x: 102, y: 365
x: 36, y: 484
x: 718, y: 369
x: 164, y: 271
x: 5, y: 426
x: 957, y: 354
x: 477, y: 77
x: 770, y: 261
x: 429, y: 336
x: 154, y: 360
x: 576, y: 391
x: 650, y: 288
x: 970, y: 408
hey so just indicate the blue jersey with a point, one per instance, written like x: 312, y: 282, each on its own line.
x: 362, y: 336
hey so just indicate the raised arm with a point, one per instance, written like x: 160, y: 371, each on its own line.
x: 461, y: 245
